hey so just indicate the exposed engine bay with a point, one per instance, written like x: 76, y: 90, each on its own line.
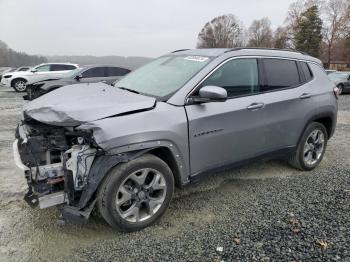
x: 56, y: 161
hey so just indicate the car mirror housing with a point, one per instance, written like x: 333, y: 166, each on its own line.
x: 33, y: 70
x: 78, y: 77
x: 210, y: 94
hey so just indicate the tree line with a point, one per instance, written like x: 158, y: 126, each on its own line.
x: 11, y: 58
x: 319, y: 28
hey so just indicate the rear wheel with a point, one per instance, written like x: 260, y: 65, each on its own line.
x: 136, y: 194
x: 19, y: 85
x: 311, y: 147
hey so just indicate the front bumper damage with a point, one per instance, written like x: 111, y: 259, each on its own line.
x: 56, y: 162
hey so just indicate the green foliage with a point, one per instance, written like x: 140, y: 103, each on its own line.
x: 308, y: 33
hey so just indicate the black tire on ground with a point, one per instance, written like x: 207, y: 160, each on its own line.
x: 107, y: 192
x: 297, y: 159
x: 16, y: 83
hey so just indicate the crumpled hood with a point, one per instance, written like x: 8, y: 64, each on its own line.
x: 73, y: 105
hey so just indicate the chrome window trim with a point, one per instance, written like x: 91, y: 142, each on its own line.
x: 245, y: 57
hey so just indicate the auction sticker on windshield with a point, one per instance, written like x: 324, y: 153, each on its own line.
x: 196, y: 58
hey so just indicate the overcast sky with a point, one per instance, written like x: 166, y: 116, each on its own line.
x: 113, y: 27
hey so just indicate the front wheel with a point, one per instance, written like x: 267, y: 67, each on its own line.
x: 311, y: 147
x: 136, y: 194
x: 19, y: 85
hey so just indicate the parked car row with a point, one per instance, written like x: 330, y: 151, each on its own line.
x: 124, y: 148
x: 46, y: 77
x: 87, y: 74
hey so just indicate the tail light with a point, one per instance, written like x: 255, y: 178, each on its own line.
x: 337, y: 92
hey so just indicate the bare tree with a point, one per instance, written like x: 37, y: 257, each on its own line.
x: 281, y: 38
x: 336, y: 23
x: 223, y: 31
x: 260, y: 33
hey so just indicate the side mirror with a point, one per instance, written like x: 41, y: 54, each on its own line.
x: 78, y: 77
x: 210, y: 94
x: 33, y: 70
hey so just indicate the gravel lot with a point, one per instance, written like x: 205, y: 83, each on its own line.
x: 265, y: 211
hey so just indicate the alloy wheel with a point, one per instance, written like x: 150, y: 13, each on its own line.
x: 141, y: 195
x: 314, y: 147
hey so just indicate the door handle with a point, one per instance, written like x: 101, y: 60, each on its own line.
x: 255, y: 106
x: 305, y: 95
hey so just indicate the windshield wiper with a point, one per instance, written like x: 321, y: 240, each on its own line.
x: 130, y: 90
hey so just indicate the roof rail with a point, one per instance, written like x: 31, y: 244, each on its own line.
x: 265, y: 48
x: 180, y: 50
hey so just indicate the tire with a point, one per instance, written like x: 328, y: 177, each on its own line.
x: 19, y: 85
x: 341, y: 88
x: 120, y: 184
x: 301, y: 158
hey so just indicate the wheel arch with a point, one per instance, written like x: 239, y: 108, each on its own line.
x: 104, y: 163
x: 328, y: 119
x: 17, y: 78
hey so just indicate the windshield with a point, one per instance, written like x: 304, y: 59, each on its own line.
x: 72, y: 73
x: 164, y: 75
x: 337, y: 76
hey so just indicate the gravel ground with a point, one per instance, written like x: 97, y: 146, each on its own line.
x: 265, y: 211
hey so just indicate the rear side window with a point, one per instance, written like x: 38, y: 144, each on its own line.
x: 94, y: 72
x: 117, y: 71
x: 280, y: 73
x: 60, y: 67
x: 306, y: 71
x: 239, y: 77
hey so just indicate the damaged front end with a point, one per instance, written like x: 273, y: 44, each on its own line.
x: 56, y: 162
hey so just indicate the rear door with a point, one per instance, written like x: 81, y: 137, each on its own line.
x: 288, y: 97
x: 221, y: 133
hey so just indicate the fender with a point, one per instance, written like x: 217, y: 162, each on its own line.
x: 102, y: 164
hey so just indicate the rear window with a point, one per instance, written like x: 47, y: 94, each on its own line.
x: 60, y: 67
x: 281, y: 73
x: 306, y: 71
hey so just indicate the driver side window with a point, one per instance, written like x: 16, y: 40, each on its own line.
x: 239, y: 77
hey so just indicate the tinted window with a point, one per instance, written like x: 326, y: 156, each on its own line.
x: 306, y: 70
x: 117, y: 71
x: 94, y: 72
x: 281, y: 73
x: 43, y: 68
x: 238, y: 77
x: 59, y: 67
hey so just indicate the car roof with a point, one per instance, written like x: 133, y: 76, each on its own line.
x: 244, y: 51
x: 59, y: 63
x: 102, y: 65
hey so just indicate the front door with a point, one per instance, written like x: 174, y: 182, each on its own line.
x: 221, y: 133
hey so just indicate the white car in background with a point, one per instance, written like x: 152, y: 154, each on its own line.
x: 19, y: 79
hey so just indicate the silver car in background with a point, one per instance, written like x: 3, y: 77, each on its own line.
x: 341, y: 80
x: 123, y: 149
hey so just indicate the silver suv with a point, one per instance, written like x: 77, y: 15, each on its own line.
x: 123, y: 149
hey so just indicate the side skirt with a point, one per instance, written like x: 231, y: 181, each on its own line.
x: 281, y: 153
